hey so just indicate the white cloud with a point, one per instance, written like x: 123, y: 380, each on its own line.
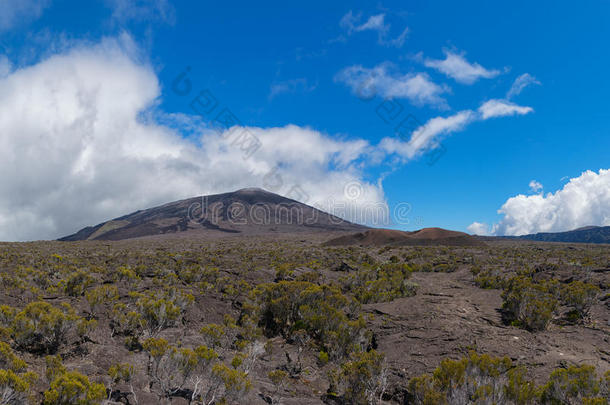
x: 81, y: 142
x: 457, y: 67
x: 290, y: 86
x: 383, y: 81
x: 15, y: 12
x: 375, y: 23
x: 502, y: 108
x: 427, y: 136
x: 351, y: 23
x: 5, y: 66
x: 535, y: 186
x: 521, y: 83
x: 478, y: 228
x: 583, y: 201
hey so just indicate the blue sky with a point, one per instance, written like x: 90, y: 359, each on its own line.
x: 276, y: 64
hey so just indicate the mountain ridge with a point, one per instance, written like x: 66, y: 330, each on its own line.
x: 421, y: 237
x: 587, y: 234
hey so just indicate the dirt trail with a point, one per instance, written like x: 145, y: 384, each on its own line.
x: 450, y: 316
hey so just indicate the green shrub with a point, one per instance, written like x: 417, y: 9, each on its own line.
x: 76, y: 283
x: 323, y: 358
x: 382, y: 283
x: 320, y: 310
x: 54, y: 367
x: 580, y: 297
x: 74, y: 388
x: 125, y: 273
x: 528, y: 304
x: 125, y: 322
x: 228, y: 383
x: 122, y: 373
x: 363, y: 378
x: 14, y: 388
x: 172, y: 369
x: 473, y: 379
x: 488, y: 279
x: 9, y: 360
x: 40, y: 327
x: 572, y: 385
x: 104, y: 294
x: 160, y: 312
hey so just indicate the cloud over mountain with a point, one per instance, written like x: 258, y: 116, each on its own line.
x: 82, y: 141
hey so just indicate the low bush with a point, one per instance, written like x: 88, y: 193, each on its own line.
x: 572, y: 385
x: 473, y: 379
x: 76, y: 283
x: 74, y: 388
x: 579, y: 296
x: 363, y: 378
x: 41, y: 327
x: 381, y: 283
x: 528, y: 304
x: 160, y: 311
x: 15, y: 388
x: 320, y: 310
x: 532, y: 305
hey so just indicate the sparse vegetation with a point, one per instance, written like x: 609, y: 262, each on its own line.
x: 146, y: 322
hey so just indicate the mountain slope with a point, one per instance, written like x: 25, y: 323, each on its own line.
x: 588, y: 234
x: 389, y: 237
x: 246, y: 211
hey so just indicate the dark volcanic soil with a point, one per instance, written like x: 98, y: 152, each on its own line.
x: 450, y: 316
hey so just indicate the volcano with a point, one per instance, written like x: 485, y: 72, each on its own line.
x: 247, y: 211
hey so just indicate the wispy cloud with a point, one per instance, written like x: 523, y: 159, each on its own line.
x: 142, y: 10
x: 458, y: 68
x: 502, y: 108
x: 352, y: 23
x: 15, y: 12
x: 290, y: 86
x: 521, y: 83
x: 383, y: 80
x: 427, y: 136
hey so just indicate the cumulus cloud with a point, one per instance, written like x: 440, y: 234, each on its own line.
x: 383, y: 80
x: 583, y: 201
x: 502, y: 108
x: 521, y: 83
x: 81, y: 142
x: 351, y: 23
x: 15, y: 12
x: 457, y: 67
x: 427, y: 136
x: 478, y: 228
x: 535, y: 186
